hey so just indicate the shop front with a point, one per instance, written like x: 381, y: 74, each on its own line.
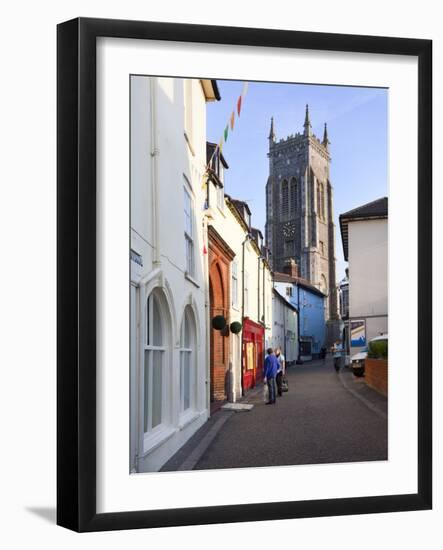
x: 253, y: 354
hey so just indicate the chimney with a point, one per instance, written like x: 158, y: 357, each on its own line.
x: 291, y: 268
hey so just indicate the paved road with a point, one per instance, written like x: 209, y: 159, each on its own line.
x: 324, y: 418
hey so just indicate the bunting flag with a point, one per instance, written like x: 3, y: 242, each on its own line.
x: 205, y: 251
x: 231, y: 122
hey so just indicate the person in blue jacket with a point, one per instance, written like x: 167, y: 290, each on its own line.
x: 270, y: 371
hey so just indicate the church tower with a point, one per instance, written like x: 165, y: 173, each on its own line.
x: 299, y: 210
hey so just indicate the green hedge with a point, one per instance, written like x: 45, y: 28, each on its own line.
x: 378, y: 349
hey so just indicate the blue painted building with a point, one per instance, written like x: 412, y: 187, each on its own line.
x: 311, y: 303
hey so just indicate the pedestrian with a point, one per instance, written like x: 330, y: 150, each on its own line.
x: 323, y: 354
x: 281, y: 371
x: 337, y: 350
x: 270, y: 372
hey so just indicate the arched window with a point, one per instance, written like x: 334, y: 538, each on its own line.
x: 154, y: 364
x: 319, y: 210
x: 276, y: 202
x: 293, y: 196
x: 284, y: 199
x: 187, y: 361
x: 323, y: 201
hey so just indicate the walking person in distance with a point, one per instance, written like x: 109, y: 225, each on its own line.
x: 337, y: 351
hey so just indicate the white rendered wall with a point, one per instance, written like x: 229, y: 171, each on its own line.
x: 368, y: 275
x: 162, y: 165
x: 284, y: 320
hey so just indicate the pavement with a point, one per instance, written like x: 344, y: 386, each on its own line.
x: 325, y: 417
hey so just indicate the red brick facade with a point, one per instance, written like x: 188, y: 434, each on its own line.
x: 376, y: 374
x: 220, y: 257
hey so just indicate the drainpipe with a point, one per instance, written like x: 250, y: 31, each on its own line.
x: 284, y: 330
x: 298, y: 324
x: 247, y: 238
x: 264, y: 302
x: 258, y: 289
x: 207, y: 314
x: 154, y: 169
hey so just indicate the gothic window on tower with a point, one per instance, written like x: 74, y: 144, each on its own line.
x: 322, y: 248
x: 276, y: 202
x: 284, y: 199
x: 293, y: 196
x: 323, y: 215
x: 289, y: 247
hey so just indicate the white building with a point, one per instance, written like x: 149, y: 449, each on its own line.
x: 284, y: 327
x: 241, y: 289
x: 364, y: 232
x: 169, y: 340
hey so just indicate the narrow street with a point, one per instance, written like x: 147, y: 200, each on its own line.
x: 324, y: 418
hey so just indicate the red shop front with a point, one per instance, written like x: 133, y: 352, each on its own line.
x: 253, y: 354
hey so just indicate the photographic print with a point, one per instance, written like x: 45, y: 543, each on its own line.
x: 233, y: 210
x: 258, y: 274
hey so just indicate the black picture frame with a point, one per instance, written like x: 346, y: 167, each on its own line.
x: 76, y: 274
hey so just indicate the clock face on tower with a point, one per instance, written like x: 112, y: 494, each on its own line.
x: 288, y: 229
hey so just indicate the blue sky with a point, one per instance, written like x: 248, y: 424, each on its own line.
x: 357, y: 128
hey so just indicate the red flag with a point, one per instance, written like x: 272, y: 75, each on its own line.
x: 232, y: 120
x: 204, y: 250
x: 239, y: 105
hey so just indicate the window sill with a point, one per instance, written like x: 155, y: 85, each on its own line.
x: 153, y: 441
x: 188, y: 418
x: 191, y: 279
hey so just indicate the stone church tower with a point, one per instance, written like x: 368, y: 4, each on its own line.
x: 299, y: 211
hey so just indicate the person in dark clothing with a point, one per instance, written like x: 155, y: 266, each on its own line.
x: 323, y: 354
x: 281, y: 371
x: 270, y: 371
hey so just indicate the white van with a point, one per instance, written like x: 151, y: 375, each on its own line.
x: 358, y: 360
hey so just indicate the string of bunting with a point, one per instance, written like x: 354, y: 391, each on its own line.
x: 229, y: 126
x: 224, y: 138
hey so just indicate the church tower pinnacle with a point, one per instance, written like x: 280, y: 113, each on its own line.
x: 325, y: 141
x: 307, y: 125
x: 271, y: 136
